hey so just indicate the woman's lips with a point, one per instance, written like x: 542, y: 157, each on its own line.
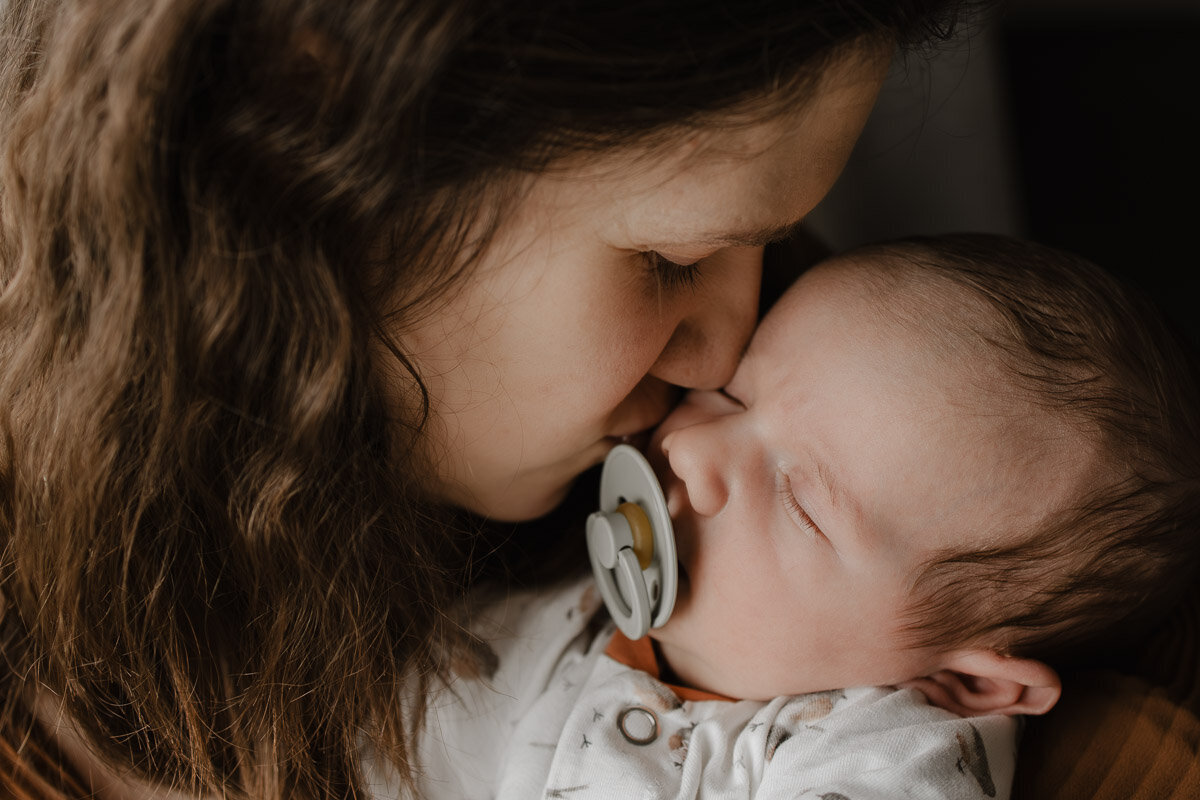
x: 636, y: 419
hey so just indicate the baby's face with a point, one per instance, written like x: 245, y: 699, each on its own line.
x: 847, y: 450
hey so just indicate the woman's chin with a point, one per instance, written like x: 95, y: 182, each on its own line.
x: 517, y: 504
x: 531, y: 508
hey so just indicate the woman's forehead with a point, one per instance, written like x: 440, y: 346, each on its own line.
x: 781, y: 163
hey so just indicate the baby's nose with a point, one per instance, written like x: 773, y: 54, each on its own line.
x: 700, y: 465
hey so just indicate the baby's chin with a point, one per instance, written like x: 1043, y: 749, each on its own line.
x: 676, y: 664
x: 681, y: 667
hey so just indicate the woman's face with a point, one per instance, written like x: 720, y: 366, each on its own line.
x: 570, y: 335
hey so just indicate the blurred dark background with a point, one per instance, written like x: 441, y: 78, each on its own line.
x: 1073, y: 123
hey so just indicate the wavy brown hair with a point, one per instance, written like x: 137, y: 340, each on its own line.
x: 216, y: 552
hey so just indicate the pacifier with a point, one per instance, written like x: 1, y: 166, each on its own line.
x: 631, y: 544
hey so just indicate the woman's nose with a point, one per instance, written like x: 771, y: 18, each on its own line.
x: 698, y: 459
x: 706, y: 344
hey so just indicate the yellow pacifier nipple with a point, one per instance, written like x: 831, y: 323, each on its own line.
x: 643, y: 533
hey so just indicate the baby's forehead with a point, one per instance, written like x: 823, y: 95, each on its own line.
x: 897, y: 281
x: 954, y: 340
x: 883, y: 288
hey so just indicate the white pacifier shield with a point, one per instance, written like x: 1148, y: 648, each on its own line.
x: 638, y: 599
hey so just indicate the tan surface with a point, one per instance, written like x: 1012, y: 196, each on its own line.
x: 1123, y: 736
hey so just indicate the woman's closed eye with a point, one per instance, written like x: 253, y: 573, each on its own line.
x: 795, y: 511
x: 672, y: 275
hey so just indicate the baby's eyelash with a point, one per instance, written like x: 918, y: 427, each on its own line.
x: 672, y: 275
x: 797, y: 513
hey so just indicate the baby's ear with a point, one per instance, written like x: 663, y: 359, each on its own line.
x: 975, y: 682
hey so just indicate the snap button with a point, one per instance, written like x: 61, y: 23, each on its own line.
x: 638, y: 725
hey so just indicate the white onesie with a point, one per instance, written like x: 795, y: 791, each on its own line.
x: 566, y: 716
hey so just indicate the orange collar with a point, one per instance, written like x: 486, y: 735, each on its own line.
x: 640, y: 655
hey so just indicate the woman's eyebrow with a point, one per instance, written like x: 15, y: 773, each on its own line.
x: 756, y: 237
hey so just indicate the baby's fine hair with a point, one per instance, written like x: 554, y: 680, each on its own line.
x: 1098, y: 354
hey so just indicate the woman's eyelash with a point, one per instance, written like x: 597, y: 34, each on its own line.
x: 793, y: 507
x: 672, y: 275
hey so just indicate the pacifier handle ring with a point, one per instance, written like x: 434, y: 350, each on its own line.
x: 617, y: 573
x: 636, y: 622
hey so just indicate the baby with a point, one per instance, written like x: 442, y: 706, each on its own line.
x: 944, y: 467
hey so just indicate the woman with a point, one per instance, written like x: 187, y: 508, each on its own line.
x: 290, y: 286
